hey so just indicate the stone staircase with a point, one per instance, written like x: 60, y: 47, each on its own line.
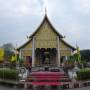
x: 47, y: 78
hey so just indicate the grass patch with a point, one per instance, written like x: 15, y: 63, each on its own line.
x: 83, y: 74
x: 9, y: 74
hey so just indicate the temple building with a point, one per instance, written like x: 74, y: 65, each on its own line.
x: 46, y: 46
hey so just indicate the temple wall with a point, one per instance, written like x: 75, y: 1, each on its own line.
x: 28, y: 46
x: 65, y: 52
x: 64, y: 49
x: 27, y: 50
x: 45, y: 37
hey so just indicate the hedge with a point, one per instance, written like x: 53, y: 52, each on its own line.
x: 83, y: 74
x: 6, y: 73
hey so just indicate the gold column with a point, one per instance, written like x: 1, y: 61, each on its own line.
x: 58, y: 48
x: 33, y: 52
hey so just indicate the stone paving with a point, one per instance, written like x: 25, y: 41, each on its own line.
x: 9, y: 88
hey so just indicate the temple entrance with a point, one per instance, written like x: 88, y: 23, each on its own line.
x: 46, y: 56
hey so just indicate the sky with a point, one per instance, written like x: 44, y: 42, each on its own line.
x: 20, y: 18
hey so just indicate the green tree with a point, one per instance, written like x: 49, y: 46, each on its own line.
x: 85, y: 55
x: 8, y: 51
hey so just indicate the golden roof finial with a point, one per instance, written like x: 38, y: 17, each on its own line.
x: 45, y: 11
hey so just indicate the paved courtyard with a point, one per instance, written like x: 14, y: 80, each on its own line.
x: 8, y: 88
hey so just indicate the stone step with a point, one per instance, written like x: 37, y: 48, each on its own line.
x: 45, y: 73
x: 47, y: 77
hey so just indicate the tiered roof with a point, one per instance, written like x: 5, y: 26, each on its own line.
x: 58, y: 34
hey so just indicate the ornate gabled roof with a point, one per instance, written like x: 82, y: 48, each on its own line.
x: 73, y: 48
x: 46, y: 19
x: 24, y: 44
x: 60, y: 36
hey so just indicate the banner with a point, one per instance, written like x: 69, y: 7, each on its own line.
x: 1, y: 54
x: 14, y: 58
x: 78, y: 55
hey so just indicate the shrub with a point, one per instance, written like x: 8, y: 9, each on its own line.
x: 83, y: 74
x: 69, y: 64
x: 6, y: 73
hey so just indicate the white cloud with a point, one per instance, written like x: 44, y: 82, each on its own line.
x: 54, y: 6
x: 82, y: 6
x: 20, y: 7
x: 70, y: 17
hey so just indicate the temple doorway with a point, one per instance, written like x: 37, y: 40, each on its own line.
x: 46, y: 56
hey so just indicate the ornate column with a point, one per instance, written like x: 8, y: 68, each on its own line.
x: 20, y: 54
x: 18, y: 62
x: 71, y: 52
x: 33, y: 51
x: 66, y: 58
x: 58, y: 48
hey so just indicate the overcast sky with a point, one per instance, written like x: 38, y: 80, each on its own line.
x: 19, y: 18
